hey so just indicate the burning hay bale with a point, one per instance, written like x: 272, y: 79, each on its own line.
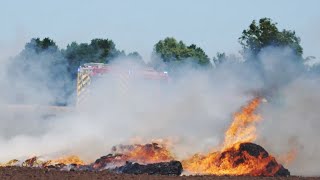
x: 33, y: 162
x: 163, y: 168
x: 237, y: 156
x: 245, y: 159
x: 140, y: 159
x: 13, y: 162
x: 109, y: 161
x: 142, y: 154
x: 266, y: 165
x: 40, y: 162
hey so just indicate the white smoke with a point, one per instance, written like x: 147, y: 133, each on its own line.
x: 193, y: 109
x: 291, y: 119
x: 291, y: 122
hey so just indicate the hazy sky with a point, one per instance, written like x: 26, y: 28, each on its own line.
x: 136, y: 25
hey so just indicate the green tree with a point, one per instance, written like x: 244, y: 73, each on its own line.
x: 219, y: 59
x: 103, y: 48
x: 135, y: 55
x: 170, y: 50
x: 98, y: 51
x: 40, y: 67
x: 38, y: 45
x: 266, y: 33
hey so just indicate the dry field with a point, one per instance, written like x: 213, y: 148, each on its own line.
x: 35, y: 173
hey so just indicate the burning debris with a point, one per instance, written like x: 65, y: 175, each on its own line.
x: 39, y: 162
x: 142, y: 154
x: 132, y: 159
x: 13, y: 162
x: 140, y: 159
x: 246, y: 159
x: 162, y: 168
x: 237, y: 157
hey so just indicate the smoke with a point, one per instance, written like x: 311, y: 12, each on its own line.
x: 35, y: 77
x: 186, y: 110
x: 191, y: 111
x: 291, y: 123
x: 290, y: 118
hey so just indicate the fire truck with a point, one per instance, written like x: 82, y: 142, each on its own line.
x: 122, y: 74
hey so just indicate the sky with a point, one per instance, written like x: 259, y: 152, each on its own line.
x: 214, y: 25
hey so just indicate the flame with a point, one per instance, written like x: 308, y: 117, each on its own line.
x: 142, y: 154
x: 12, y: 162
x: 67, y: 160
x: 149, y: 153
x: 232, y: 159
x: 35, y: 161
x: 243, y: 129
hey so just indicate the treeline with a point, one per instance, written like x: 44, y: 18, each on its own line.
x: 56, y: 68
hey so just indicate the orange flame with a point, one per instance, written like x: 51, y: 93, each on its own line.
x: 13, y: 162
x: 149, y: 153
x: 68, y: 160
x: 243, y: 127
x: 33, y: 162
x: 142, y: 154
x: 233, y: 159
x: 37, y: 162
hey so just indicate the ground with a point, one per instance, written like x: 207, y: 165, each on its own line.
x: 13, y: 173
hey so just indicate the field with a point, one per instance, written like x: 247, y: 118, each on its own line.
x: 32, y: 173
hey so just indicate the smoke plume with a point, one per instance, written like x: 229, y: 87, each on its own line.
x: 191, y: 111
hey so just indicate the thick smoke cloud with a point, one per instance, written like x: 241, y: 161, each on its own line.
x: 290, y: 119
x: 30, y: 81
x: 291, y: 124
x: 192, y: 110
x: 35, y: 77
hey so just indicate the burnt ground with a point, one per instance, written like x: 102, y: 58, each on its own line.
x: 35, y: 173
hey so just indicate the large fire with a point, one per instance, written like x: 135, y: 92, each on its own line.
x: 243, y: 128
x: 143, y: 154
x: 240, y: 159
x: 66, y: 160
x: 237, y: 154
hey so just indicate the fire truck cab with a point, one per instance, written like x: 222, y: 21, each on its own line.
x: 88, y: 73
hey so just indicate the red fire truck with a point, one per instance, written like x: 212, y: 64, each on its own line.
x: 89, y: 72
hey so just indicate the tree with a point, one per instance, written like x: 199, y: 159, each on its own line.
x: 39, y: 45
x: 266, y: 33
x: 170, y: 50
x: 98, y: 51
x: 104, y: 48
x: 39, y: 74
x: 219, y: 59
x: 198, y: 54
x: 135, y: 55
